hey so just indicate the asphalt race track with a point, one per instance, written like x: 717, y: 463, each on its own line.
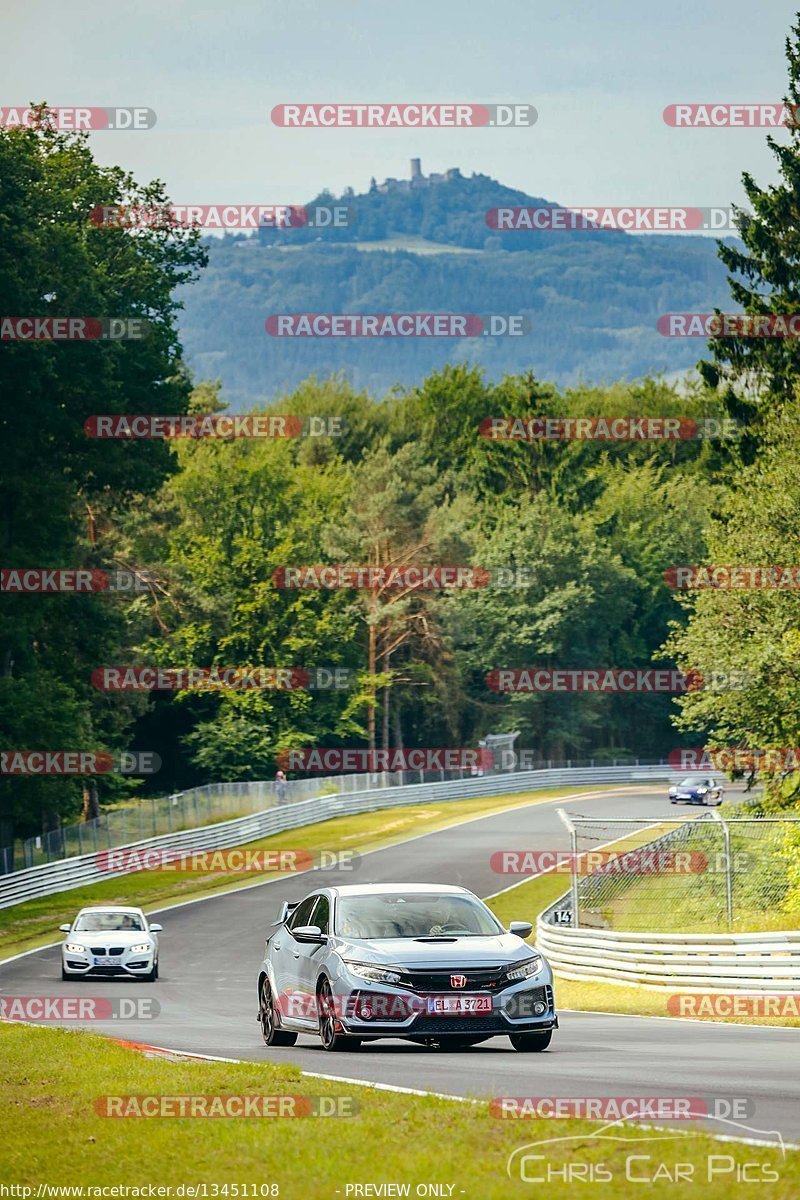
x: 211, y: 950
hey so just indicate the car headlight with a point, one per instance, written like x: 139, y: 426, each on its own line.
x: 142, y: 949
x: 702, y: 791
x: 74, y: 948
x: 373, y: 973
x: 672, y: 790
x: 531, y: 966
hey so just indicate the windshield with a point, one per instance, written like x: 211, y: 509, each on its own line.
x: 413, y: 915
x: 695, y: 781
x: 108, y: 923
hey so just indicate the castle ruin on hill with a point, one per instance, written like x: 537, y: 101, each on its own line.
x: 417, y: 180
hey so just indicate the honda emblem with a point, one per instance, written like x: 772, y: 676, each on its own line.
x: 458, y: 981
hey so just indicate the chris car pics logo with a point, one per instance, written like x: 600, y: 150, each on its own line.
x: 639, y: 1157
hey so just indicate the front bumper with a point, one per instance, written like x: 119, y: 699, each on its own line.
x: 127, y: 964
x: 526, y: 1007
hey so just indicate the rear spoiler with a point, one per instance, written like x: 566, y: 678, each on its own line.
x: 287, y: 908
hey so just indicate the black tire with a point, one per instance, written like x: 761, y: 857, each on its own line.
x: 272, y: 1035
x: 64, y: 974
x: 528, y: 1042
x: 329, y: 1034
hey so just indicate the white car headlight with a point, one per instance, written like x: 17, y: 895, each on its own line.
x: 373, y: 973
x: 142, y: 949
x: 531, y: 966
x: 74, y: 948
x: 702, y: 791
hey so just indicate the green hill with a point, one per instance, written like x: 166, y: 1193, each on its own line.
x: 592, y: 298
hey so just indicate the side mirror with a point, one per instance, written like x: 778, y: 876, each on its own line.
x: 522, y: 929
x: 156, y: 928
x: 65, y: 928
x: 309, y: 933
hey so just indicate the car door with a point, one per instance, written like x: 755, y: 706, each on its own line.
x: 284, y: 956
x: 311, y: 955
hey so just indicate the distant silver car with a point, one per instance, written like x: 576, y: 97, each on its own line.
x: 110, y: 940
x: 429, y: 963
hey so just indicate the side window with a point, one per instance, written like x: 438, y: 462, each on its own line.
x: 321, y: 914
x: 302, y: 913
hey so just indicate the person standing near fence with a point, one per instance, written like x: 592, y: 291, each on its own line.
x: 280, y: 787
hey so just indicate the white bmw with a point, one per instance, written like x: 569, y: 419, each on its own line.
x: 110, y: 941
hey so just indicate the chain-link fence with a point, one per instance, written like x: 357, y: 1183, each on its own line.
x: 139, y: 819
x: 146, y: 818
x: 702, y: 874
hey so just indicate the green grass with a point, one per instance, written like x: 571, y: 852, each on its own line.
x: 589, y: 996
x: 50, y: 1080
x: 35, y: 923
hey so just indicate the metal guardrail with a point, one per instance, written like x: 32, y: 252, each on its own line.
x: 747, y: 962
x: 85, y: 869
x: 766, y: 962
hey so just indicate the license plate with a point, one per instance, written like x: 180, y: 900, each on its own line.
x: 460, y: 1005
x: 107, y: 961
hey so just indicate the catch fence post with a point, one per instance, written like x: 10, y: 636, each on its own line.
x: 573, y: 866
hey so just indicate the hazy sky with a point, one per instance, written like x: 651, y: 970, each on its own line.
x: 599, y: 74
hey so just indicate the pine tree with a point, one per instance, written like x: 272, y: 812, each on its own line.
x: 760, y: 373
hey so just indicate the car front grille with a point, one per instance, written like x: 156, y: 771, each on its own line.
x: 479, y: 979
x: 430, y: 1026
x: 97, y: 949
x: 116, y: 950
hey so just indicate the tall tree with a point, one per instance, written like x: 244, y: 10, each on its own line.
x: 758, y: 373
x: 61, y: 490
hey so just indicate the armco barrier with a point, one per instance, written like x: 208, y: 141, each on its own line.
x: 747, y: 962
x: 81, y: 870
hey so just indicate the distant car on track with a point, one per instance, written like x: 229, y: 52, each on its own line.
x: 106, y: 940
x: 429, y: 963
x: 698, y: 789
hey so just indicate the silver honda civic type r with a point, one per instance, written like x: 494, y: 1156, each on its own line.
x: 429, y: 963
